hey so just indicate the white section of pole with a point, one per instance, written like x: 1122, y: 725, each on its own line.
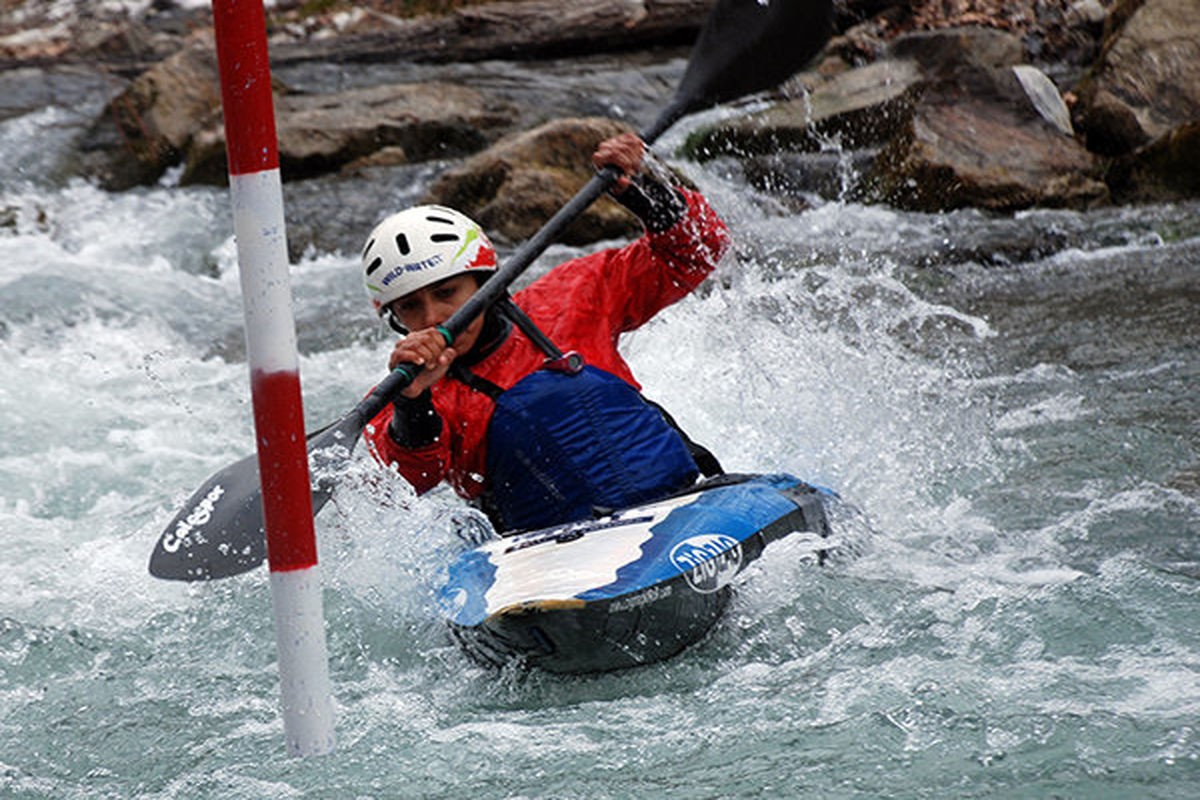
x: 258, y: 224
x: 300, y: 639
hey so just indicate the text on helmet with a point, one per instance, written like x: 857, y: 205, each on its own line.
x: 416, y: 266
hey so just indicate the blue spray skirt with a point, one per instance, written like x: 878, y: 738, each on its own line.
x: 627, y: 589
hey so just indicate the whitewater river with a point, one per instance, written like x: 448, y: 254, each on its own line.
x: 1011, y: 402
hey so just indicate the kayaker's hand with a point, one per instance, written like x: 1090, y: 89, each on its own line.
x: 624, y: 151
x: 425, y: 348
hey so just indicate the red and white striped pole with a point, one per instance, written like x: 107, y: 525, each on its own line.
x: 257, y: 198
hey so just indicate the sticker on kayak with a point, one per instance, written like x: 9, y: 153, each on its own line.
x: 709, y: 561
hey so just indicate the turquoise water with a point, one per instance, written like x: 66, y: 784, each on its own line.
x: 1018, y: 434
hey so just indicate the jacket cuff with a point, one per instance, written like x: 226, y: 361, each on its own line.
x: 658, y: 205
x: 415, y: 422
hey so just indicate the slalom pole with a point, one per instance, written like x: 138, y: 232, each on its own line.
x: 256, y: 195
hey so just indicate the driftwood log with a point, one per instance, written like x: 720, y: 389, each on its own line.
x: 519, y: 29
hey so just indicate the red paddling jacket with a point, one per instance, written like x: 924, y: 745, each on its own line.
x: 583, y: 305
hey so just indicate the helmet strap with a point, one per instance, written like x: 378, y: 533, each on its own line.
x: 393, y: 322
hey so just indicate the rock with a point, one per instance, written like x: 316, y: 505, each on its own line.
x: 130, y: 36
x: 1167, y: 169
x: 520, y: 29
x: 1087, y: 12
x: 945, y: 51
x: 1147, y: 82
x: 794, y: 177
x: 861, y: 107
x: 958, y: 120
x: 514, y: 187
x: 858, y: 108
x: 320, y: 133
x: 978, y: 141
x: 112, y: 36
x: 81, y: 89
x: 334, y: 213
x: 171, y: 114
x: 149, y: 126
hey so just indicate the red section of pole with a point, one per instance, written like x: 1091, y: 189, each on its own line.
x: 241, y: 30
x: 283, y: 465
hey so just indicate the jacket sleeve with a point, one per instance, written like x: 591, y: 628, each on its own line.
x: 659, y: 269
x: 424, y: 467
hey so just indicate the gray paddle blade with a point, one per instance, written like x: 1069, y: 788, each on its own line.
x: 219, y: 530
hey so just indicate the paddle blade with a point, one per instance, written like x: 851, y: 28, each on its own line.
x: 219, y: 531
x: 747, y: 46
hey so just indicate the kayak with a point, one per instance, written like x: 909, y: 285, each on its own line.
x: 627, y: 589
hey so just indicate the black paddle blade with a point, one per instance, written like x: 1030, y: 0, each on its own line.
x: 747, y: 46
x: 219, y: 533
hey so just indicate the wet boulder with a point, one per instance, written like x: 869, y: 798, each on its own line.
x: 943, y: 52
x: 321, y: 133
x: 796, y: 146
x: 985, y: 139
x: 954, y: 115
x: 858, y: 108
x: 1147, y: 82
x: 171, y: 115
x: 1140, y: 104
x: 515, y: 186
x: 1167, y: 169
x: 149, y: 126
x: 521, y: 28
x: 820, y: 142
x: 37, y: 32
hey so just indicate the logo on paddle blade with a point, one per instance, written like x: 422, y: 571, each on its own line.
x: 196, y: 518
x: 708, y: 561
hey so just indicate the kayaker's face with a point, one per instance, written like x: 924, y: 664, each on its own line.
x: 433, y: 305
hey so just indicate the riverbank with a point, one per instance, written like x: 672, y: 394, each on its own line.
x: 934, y: 106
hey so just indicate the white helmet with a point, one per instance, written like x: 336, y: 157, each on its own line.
x: 419, y: 246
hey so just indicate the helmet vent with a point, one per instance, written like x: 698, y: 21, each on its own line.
x: 402, y: 244
x: 443, y: 220
x: 374, y: 265
x: 367, y: 249
x: 444, y: 237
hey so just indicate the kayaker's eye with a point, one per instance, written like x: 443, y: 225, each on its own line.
x: 401, y: 306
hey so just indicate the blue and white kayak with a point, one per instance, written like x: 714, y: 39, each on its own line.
x: 627, y: 589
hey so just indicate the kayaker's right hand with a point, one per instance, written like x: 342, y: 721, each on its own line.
x: 624, y: 151
x: 426, y: 348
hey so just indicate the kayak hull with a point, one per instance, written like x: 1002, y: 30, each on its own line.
x: 627, y: 589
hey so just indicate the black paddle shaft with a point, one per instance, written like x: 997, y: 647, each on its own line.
x: 745, y: 46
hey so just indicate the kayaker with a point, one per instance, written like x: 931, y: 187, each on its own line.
x: 525, y: 432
